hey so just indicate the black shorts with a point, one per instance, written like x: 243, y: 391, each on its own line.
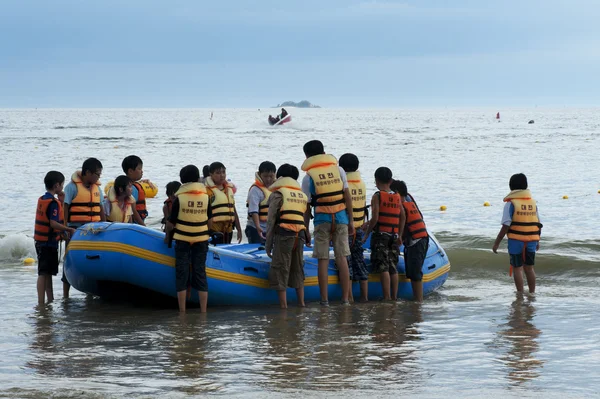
x: 47, y: 260
x: 414, y: 257
x: 518, y: 260
x: 190, y: 256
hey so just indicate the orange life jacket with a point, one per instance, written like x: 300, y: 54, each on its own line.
x: 85, y: 207
x: 415, y: 226
x: 329, y: 188
x: 525, y: 225
x: 140, y: 204
x: 43, y: 231
x: 263, y: 207
x: 389, y: 213
x: 295, y: 202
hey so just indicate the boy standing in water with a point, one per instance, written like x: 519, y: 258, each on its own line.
x: 358, y: 191
x: 258, y: 203
x: 326, y: 187
x: 387, y: 225
x: 49, y: 224
x: 224, y: 214
x: 188, y: 224
x: 133, y: 167
x: 83, y: 201
x: 520, y: 220
x: 286, y: 234
x: 415, y: 238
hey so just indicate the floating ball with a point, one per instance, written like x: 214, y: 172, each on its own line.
x: 565, y: 197
x: 486, y: 203
x: 108, y: 186
x: 28, y: 261
x: 443, y: 208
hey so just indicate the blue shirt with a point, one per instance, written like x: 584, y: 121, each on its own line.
x: 135, y: 192
x: 70, y: 194
x: 52, y: 214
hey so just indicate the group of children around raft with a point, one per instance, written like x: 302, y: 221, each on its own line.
x: 202, y: 209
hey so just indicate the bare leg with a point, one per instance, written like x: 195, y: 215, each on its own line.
x: 364, y: 290
x: 417, y: 287
x: 41, y: 289
x: 66, y: 288
x: 518, y: 276
x: 342, y: 264
x: 49, y: 289
x: 394, y: 285
x: 385, y: 285
x: 300, y: 295
x: 530, y: 273
x: 324, y: 279
x: 181, y: 298
x: 203, y: 297
x: 282, y: 299
x: 350, y: 295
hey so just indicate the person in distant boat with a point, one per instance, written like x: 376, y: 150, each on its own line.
x: 356, y: 261
x: 224, y: 214
x: 415, y: 239
x: 83, y: 201
x: 286, y: 234
x: 272, y: 120
x: 326, y: 186
x: 119, y: 205
x: 49, y: 230
x: 284, y: 113
x: 387, y: 224
x: 521, y: 222
x: 133, y: 167
x: 189, y: 225
x: 258, y: 203
x: 171, y: 189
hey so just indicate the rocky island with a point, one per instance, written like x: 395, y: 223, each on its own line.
x: 301, y: 104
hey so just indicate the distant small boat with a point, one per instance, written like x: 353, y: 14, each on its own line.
x: 498, y: 115
x: 275, y: 121
x: 531, y: 122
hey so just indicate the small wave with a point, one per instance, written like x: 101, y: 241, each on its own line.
x: 91, y: 127
x: 16, y: 247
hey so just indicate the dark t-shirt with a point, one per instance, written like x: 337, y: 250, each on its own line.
x: 175, y: 211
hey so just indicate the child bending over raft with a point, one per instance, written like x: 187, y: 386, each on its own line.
x: 120, y: 204
x: 258, y: 203
x: 521, y: 222
x: 286, y: 234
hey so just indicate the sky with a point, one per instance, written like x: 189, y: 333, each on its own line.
x: 334, y: 53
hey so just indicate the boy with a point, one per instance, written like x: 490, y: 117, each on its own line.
x: 171, y: 189
x: 258, y: 203
x: 83, y: 199
x: 286, y: 234
x: 188, y: 224
x: 133, y: 168
x: 415, y: 238
x: 222, y: 201
x: 358, y: 191
x: 49, y: 224
x: 326, y: 187
x: 387, y: 224
x: 520, y: 220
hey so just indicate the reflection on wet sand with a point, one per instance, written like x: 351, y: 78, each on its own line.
x: 521, y: 336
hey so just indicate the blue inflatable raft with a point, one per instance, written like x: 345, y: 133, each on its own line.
x: 104, y: 257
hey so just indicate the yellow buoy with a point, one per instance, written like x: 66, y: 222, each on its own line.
x: 486, y: 203
x: 565, y: 197
x: 443, y: 208
x: 149, y: 188
x: 28, y: 261
x: 108, y: 186
x: 598, y: 191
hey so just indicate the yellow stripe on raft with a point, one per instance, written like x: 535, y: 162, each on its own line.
x: 221, y: 274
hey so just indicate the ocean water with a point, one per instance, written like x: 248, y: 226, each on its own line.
x: 474, y: 337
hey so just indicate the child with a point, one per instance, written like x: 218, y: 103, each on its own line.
x: 83, y: 199
x: 223, y: 206
x: 286, y: 234
x: 49, y: 224
x: 387, y: 223
x: 188, y: 224
x: 133, y: 167
x: 205, y: 173
x: 171, y: 189
x: 120, y: 204
x: 258, y: 203
x: 358, y: 191
x: 415, y: 238
x: 327, y: 190
x: 522, y: 223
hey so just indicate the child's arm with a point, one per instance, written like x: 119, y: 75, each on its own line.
x: 238, y: 227
x: 61, y: 227
x: 136, y: 216
x: 374, y: 216
x: 500, y: 237
x: 348, y: 199
x: 401, y: 224
x: 256, y: 221
x: 274, y: 207
x: 165, y: 212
